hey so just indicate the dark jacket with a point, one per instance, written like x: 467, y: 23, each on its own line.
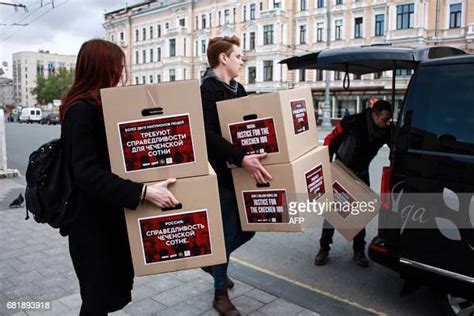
x: 219, y: 150
x: 98, y: 241
x: 356, y: 141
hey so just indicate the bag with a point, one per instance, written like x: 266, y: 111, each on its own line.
x: 49, y: 186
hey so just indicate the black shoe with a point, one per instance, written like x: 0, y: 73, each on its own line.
x: 360, y: 259
x: 208, y: 269
x: 321, y: 257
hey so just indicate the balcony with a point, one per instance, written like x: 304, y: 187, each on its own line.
x: 273, y: 13
x: 175, y: 31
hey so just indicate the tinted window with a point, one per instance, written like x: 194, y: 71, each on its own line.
x: 443, y: 109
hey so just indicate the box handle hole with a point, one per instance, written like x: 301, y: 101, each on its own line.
x: 152, y: 111
x: 176, y: 207
x: 250, y: 117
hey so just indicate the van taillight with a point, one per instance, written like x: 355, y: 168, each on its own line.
x: 385, y: 188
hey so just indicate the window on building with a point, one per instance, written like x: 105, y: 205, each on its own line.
x: 302, y: 34
x: 197, y: 23
x: 244, y: 41
x: 137, y: 32
x: 144, y: 34
x: 182, y: 22
x: 403, y: 72
x: 136, y: 80
x: 233, y: 15
x: 184, y: 73
x: 210, y: 19
x: 319, y: 32
x: 122, y: 36
x: 357, y: 77
x: 136, y: 57
x: 337, y: 75
x: 252, y: 74
x: 455, y: 15
x: 276, y: 4
x: 151, y: 55
x: 358, y: 27
x: 143, y: 80
x: 150, y: 79
x: 203, y: 21
x: 158, y: 54
x: 172, y: 47
x: 112, y: 38
x: 338, y: 2
x: 380, y: 25
x: 252, y: 40
x: 226, y: 16
x: 244, y: 13
x: 252, y: 11
x: 172, y: 73
x: 302, y: 75
x: 261, y: 6
x: 158, y: 78
x: 405, y: 16
x: 158, y: 30
x: 267, y: 34
x: 151, y: 32
x: 219, y: 20
x: 185, y: 42
x: 167, y: 25
x: 320, y: 4
x: 378, y: 75
x: 196, y: 48
x: 267, y: 70
x: 203, y: 47
x: 338, y: 30
x: 319, y: 75
x: 144, y: 56
x: 303, y: 5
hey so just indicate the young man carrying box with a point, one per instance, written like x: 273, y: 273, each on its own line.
x: 356, y: 141
x: 225, y: 60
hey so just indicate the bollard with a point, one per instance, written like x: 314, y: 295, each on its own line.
x: 3, y: 143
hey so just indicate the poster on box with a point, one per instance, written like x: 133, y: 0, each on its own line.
x: 315, y: 182
x: 177, y: 236
x: 156, y: 142
x: 266, y: 206
x: 255, y: 136
x: 300, y: 116
x: 343, y: 200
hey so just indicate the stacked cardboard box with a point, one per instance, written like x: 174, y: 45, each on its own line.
x: 155, y: 132
x: 282, y: 125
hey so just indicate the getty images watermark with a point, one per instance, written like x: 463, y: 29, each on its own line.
x: 319, y: 208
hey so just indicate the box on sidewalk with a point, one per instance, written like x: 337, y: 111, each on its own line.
x: 358, y: 203
x: 281, y: 124
x: 189, y: 237
x: 284, y: 205
x: 155, y: 131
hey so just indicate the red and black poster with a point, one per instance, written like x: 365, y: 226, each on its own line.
x: 266, y: 206
x: 255, y: 136
x: 156, y: 142
x: 300, y: 116
x: 343, y: 200
x: 177, y: 236
x: 315, y: 182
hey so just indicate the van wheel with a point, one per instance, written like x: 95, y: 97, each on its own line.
x: 453, y: 305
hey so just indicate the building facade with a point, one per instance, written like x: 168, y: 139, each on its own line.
x: 28, y: 65
x: 6, y: 92
x: 167, y: 40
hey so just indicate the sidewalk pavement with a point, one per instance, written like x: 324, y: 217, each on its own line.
x: 35, y: 266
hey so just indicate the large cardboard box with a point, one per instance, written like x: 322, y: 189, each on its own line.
x: 155, y: 131
x: 189, y: 237
x: 281, y: 124
x: 292, y: 200
x: 359, y: 204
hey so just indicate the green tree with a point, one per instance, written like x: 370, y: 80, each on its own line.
x: 54, y: 87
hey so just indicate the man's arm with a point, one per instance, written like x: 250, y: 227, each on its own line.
x: 334, y: 139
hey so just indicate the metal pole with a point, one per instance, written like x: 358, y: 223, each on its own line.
x: 327, y: 102
x: 3, y: 146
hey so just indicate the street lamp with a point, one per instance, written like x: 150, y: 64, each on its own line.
x: 327, y: 103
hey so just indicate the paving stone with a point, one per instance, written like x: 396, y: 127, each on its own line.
x: 202, y: 301
x: 281, y: 307
x: 146, y: 306
x: 188, y: 275
x: 307, y: 312
x: 25, y: 290
x: 180, y: 310
x: 256, y: 313
x: 211, y: 312
x: 50, y: 293
x: 5, y: 284
x: 261, y: 296
x: 27, y: 277
x: 239, y: 289
x: 164, y: 283
x: 182, y: 292
x: 142, y: 291
x: 71, y: 301
x: 246, y: 305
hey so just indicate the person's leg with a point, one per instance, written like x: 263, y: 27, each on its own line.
x: 84, y: 312
x: 358, y: 246
x: 324, y: 242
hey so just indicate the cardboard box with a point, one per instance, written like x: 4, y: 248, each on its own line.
x: 348, y: 188
x: 275, y: 207
x: 155, y: 131
x: 281, y: 124
x: 185, y: 238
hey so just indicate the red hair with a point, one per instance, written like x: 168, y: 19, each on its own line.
x: 99, y: 65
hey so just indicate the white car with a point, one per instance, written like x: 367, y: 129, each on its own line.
x: 30, y: 115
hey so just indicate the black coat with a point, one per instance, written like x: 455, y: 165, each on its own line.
x: 98, y: 241
x: 219, y: 150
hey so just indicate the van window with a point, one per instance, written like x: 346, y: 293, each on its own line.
x: 442, y: 101
x: 38, y: 112
x: 32, y: 112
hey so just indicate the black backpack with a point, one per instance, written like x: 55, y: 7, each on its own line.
x: 49, y: 186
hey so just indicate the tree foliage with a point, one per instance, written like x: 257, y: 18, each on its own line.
x: 54, y: 87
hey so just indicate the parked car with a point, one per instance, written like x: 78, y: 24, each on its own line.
x: 431, y: 156
x: 51, y: 119
x: 30, y: 115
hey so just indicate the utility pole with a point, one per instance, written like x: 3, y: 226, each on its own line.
x: 327, y: 103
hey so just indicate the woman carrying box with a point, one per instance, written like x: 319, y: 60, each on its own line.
x: 225, y: 60
x: 98, y: 241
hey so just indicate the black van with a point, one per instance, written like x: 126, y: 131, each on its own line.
x: 432, y: 153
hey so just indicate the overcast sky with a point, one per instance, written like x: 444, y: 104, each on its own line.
x: 60, y: 30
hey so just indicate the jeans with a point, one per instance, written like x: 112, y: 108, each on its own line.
x: 233, y: 234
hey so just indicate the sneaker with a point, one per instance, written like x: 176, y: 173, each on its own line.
x: 321, y: 257
x: 360, y: 259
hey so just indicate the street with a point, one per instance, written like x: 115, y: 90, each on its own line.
x: 287, y: 257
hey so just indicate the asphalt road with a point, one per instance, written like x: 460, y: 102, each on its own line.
x: 288, y: 255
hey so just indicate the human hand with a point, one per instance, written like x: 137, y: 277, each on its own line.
x: 254, y: 166
x: 159, y: 194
